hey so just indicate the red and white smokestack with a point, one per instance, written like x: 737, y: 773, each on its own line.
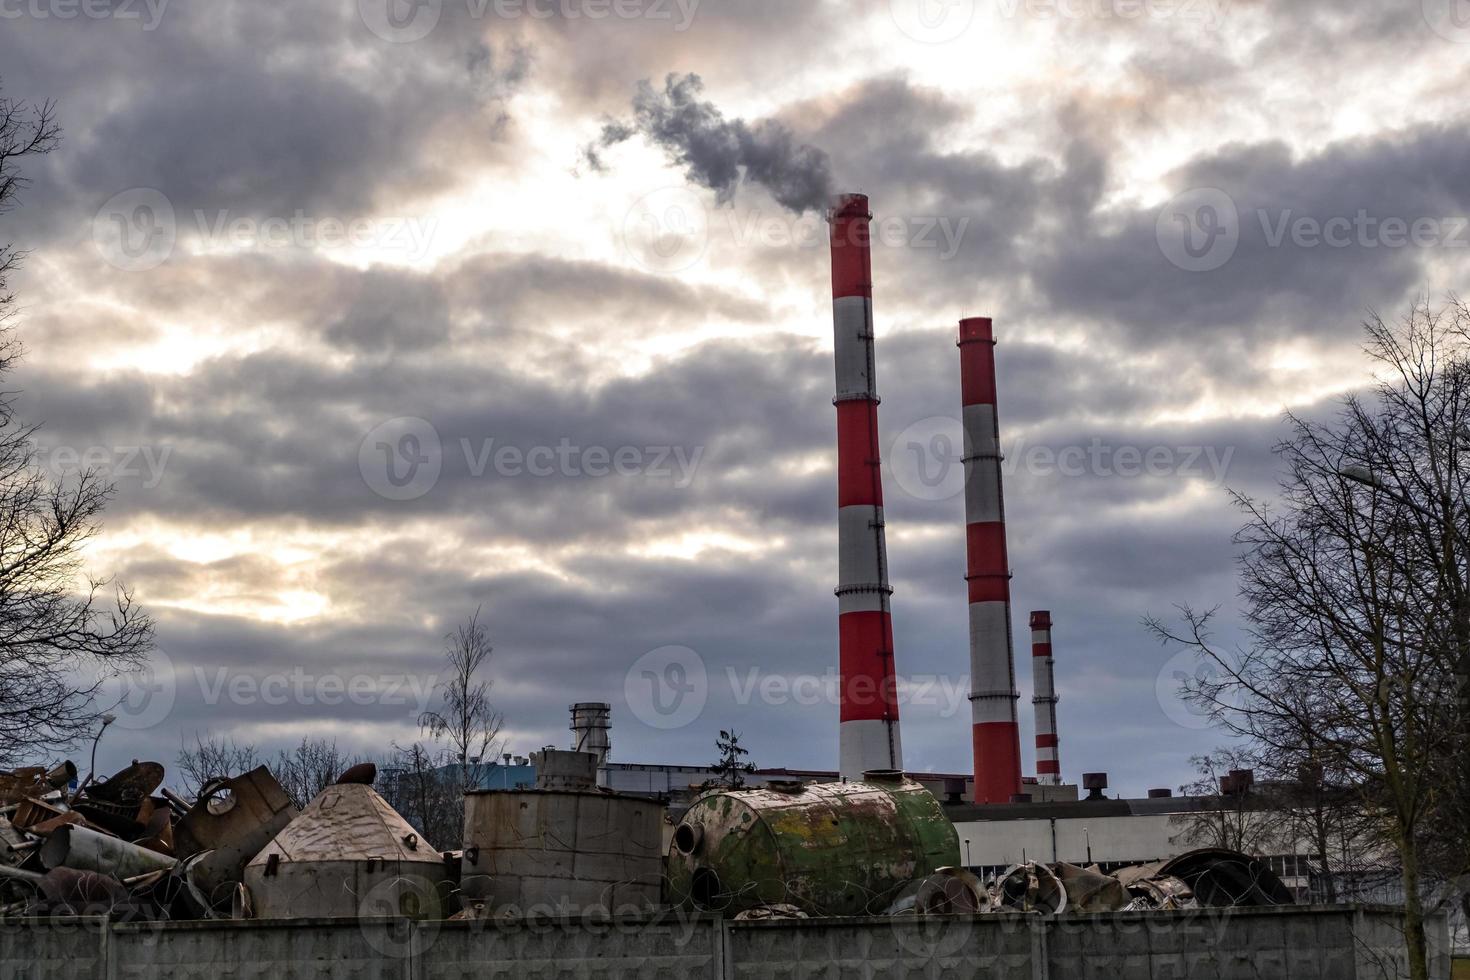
x: 995, y: 735
x: 869, y: 697
x: 1048, y: 763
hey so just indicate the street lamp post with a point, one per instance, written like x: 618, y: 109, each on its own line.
x: 106, y: 720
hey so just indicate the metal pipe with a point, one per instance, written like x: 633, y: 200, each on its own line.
x: 869, y: 730
x: 1048, y: 759
x: 81, y: 849
x: 995, y: 735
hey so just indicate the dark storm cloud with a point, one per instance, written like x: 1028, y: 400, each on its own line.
x: 1115, y: 266
x: 253, y: 110
x: 721, y: 153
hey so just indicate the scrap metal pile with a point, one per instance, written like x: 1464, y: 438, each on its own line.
x: 1206, y: 878
x: 127, y: 846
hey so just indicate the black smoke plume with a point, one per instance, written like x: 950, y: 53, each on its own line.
x: 715, y: 151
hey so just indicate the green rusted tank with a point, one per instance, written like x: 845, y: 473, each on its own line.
x: 825, y: 848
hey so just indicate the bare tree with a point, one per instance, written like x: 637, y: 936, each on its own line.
x: 58, y: 645
x: 1356, y: 601
x: 1237, y: 817
x: 417, y: 784
x: 25, y: 130
x: 466, y: 719
x: 311, y: 767
x: 212, y: 757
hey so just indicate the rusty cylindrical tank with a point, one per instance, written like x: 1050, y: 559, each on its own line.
x: 827, y: 848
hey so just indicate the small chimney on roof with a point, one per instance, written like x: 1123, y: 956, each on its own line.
x: 1237, y: 782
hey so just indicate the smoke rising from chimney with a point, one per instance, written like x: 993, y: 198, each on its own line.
x: 715, y: 151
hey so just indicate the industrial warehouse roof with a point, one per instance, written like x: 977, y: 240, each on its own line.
x: 347, y: 822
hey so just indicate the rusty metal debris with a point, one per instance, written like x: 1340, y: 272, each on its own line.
x: 1207, y: 878
x: 128, y: 846
x: 112, y: 846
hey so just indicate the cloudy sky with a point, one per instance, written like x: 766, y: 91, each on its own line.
x: 368, y: 340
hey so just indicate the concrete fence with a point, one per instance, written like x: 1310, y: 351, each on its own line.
x: 1321, y: 943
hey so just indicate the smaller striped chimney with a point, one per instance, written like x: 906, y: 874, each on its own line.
x: 1048, y: 764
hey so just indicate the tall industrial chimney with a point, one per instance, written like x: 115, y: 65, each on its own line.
x: 869, y: 697
x: 994, y: 733
x: 1048, y: 761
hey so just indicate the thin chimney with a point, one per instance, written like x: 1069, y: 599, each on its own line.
x: 1048, y: 761
x: 994, y: 733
